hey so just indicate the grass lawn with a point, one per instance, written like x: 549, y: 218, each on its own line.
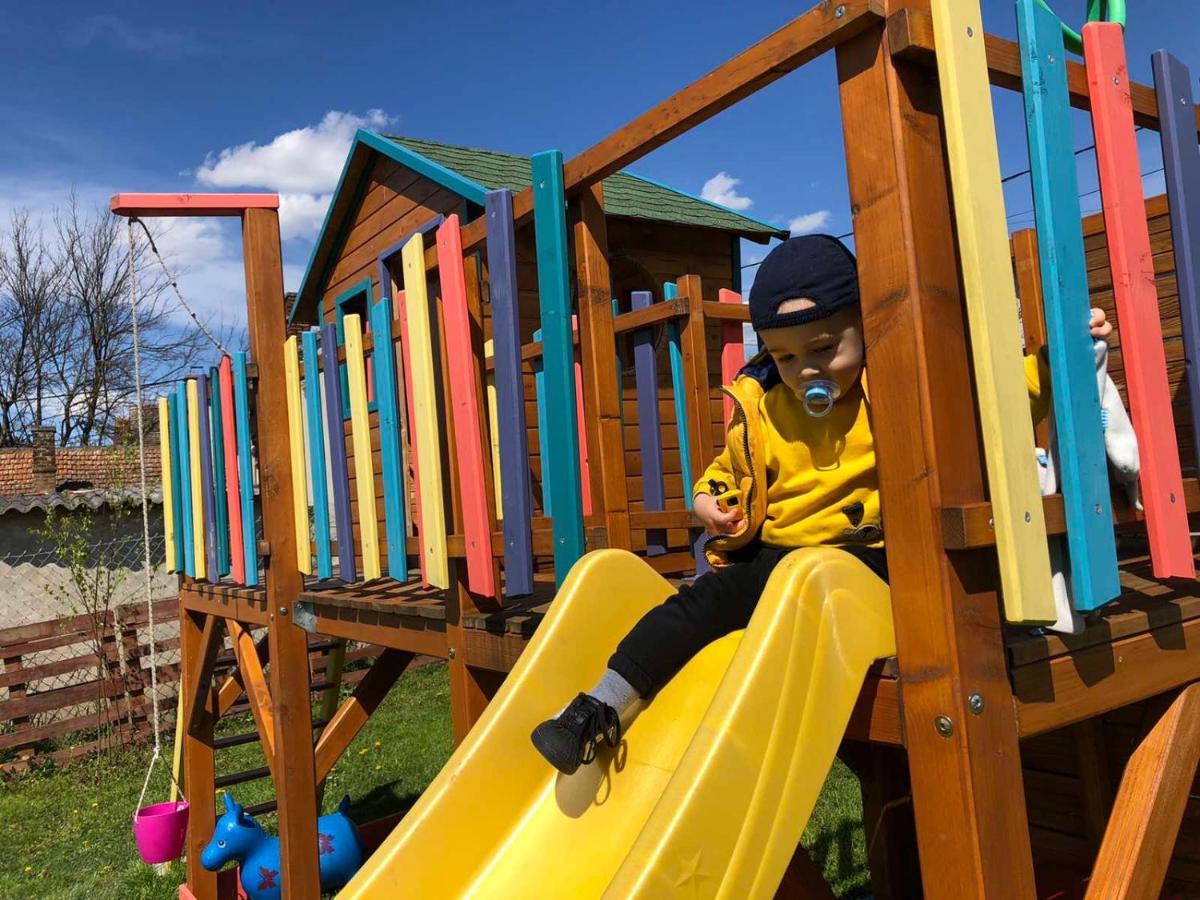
x: 66, y: 833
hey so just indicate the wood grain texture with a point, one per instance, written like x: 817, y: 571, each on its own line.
x: 425, y: 424
x: 1002, y: 401
x: 295, y: 785
x: 199, y: 555
x: 178, y: 465
x: 241, y: 400
x: 733, y: 350
x: 207, y: 483
x: 233, y: 483
x: 395, y: 491
x: 466, y: 412
x: 199, y: 768
x: 220, y: 493
x: 560, y: 440
x: 514, y: 473
x: 184, y: 421
x: 1141, y: 832
x: 254, y: 681
x: 316, y: 453
x: 1181, y: 159
x: 1137, y: 300
x: 601, y: 366
x: 645, y: 367
x: 364, y: 470
x: 339, y: 477
x: 1029, y: 291
x: 291, y: 367
x: 1080, y: 454
x: 168, y: 482
x: 971, y: 824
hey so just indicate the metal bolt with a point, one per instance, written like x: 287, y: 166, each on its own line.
x: 975, y: 703
x: 1116, y: 79
x: 1099, y: 509
x: 452, y: 653
x: 991, y: 523
x: 283, y: 610
x: 1028, y: 516
x: 1172, y: 497
x: 1050, y: 58
x: 944, y: 726
x: 970, y: 31
x: 839, y: 12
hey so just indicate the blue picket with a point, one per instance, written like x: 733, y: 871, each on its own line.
x: 241, y: 407
x: 316, y: 452
x: 388, y: 404
x: 679, y: 392
x: 1091, y: 541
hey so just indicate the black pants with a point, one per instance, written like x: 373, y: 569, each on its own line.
x: 712, y: 606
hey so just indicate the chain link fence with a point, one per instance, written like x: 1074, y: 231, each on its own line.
x: 75, y: 647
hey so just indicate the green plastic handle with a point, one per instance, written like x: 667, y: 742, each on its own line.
x: 1097, y: 11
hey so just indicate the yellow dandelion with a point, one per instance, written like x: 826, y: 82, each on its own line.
x: 364, y: 751
x: 29, y: 868
x: 379, y: 743
x: 377, y: 768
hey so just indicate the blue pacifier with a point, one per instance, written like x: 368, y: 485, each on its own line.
x: 818, y: 397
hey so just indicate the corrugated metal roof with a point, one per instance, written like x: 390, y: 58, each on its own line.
x: 70, y: 500
x: 625, y: 194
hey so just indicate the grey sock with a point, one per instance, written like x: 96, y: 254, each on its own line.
x: 615, y: 691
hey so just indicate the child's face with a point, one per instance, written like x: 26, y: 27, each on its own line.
x: 830, y: 348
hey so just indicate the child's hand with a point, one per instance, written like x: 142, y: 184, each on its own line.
x: 1101, y: 327
x: 716, y: 520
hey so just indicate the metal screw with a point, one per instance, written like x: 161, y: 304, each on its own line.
x: 839, y: 12
x: 970, y: 31
x: 283, y: 610
x: 991, y: 523
x: 1116, y: 79
x: 1172, y: 497
x: 452, y: 653
x: 975, y: 703
x: 1099, y: 510
x: 1028, y: 516
x: 1050, y: 58
x: 944, y: 726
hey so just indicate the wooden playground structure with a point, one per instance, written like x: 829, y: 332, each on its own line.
x: 991, y: 750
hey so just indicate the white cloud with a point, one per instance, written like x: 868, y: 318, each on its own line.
x: 809, y: 222
x: 149, y: 40
x: 722, y: 189
x: 301, y: 165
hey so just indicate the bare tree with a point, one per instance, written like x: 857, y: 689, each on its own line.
x: 32, y: 325
x: 96, y: 373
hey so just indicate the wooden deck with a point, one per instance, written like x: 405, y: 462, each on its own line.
x: 1143, y: 644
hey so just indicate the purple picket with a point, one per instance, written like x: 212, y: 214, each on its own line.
x: 339, y: 475
x: 207, y: 487
x: 645, y: 368
x: 1181, y: 163
x: 514, y: 474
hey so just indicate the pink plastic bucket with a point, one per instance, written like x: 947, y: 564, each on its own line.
x: 160, y: 831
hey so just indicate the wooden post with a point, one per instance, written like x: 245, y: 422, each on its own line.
x: 200, y: 773
x: 966, y: 769
x: 295, y: 784
x: 1144, y: 824
x: 695, y: 369
x: 1029, y: 289
x: 601, y: 368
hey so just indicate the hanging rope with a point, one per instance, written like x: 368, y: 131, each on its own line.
x: 137, y: 379
x: 174, y: 285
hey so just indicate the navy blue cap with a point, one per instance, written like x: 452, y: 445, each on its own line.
x: 817, y: 267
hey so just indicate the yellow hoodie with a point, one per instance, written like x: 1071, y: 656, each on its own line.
x: 805, y: 481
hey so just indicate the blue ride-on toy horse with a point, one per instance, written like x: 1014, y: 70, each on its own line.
x: 238, y: 836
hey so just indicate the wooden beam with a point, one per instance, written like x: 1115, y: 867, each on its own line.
x: 199, y: 765
x: 966, y: 775
x: 176, y: 205
x: 968, y: 526
x: 254, y: 680
x: 732, y: 311
x: 1141, y: 832
x: 800, y: 41
x: 650, y: 315
x: 198, y: 677
x: 295, y: 784
x: 356, y: 709
x: 910, y: 36
x: 601, y: 369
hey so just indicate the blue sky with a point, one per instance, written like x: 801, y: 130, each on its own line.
x: 167, y: 97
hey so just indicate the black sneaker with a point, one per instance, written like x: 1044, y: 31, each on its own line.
x: 570, y: 739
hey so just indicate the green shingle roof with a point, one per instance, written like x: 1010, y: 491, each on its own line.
x: 625, y: 194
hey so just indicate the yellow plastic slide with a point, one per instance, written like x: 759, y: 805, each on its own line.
x: 714, y: 782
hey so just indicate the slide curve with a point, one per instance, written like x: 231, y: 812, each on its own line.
x: 711, y: 788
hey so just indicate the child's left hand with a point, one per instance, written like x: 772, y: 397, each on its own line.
x: 1101, y: 327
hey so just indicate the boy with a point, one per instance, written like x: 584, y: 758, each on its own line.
x: 799, y: 462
